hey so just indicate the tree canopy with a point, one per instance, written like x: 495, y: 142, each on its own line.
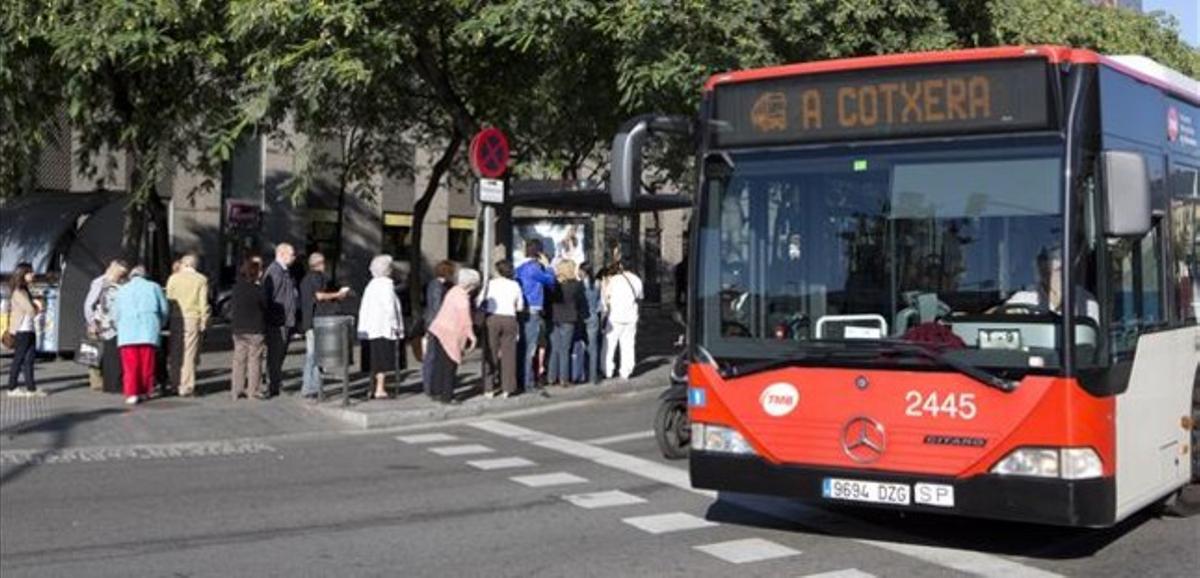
x: 361, y: 84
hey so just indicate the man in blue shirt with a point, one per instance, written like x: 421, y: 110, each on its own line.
x: 534, y: 276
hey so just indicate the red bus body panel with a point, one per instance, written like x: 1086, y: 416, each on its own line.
x: 1042, y: 411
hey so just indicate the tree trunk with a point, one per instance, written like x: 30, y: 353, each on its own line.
x: 420, y: 208
x: 145, y: 239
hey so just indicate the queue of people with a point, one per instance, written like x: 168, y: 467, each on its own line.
x: 542, y: 325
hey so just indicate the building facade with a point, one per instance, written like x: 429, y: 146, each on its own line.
x: 251, y: 206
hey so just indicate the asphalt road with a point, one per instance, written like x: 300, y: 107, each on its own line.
x: 390, y: 504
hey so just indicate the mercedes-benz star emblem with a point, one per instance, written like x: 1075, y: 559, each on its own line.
x: 864, y: 440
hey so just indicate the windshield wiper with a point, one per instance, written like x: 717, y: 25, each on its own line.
x: 958, y: 365
x: 792, y: 358
x: 828, y: 349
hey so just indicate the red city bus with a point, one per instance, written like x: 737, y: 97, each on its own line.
x: 883, y: 252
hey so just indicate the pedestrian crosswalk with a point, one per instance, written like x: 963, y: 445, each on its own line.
x: 739, y: 551
x: 747, y: 550
x: 427, y: 438
x: 847, y: 573
x: 641, y: 513
x: 463, y: 450
x: 609, y: 499
x: 501, y: 463
x: 664, y: 523
x: 546, y: 480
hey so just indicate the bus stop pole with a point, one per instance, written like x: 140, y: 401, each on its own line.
x: 485, y: 271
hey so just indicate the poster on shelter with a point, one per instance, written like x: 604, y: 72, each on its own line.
x: 561, y: 239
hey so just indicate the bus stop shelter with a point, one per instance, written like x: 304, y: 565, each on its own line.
x: 565, y: 198
x: 579, y: 199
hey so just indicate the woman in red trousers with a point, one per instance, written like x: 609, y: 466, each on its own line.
x: 140, y: 311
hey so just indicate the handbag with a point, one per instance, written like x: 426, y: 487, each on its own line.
x: 637, y: 296
x: 89, y: 353
x: 8, y: 340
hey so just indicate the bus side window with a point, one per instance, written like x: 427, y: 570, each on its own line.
x: 1185, y: 243
x: 1136, y: 285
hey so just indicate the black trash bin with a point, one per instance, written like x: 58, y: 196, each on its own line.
x: 333, y: 337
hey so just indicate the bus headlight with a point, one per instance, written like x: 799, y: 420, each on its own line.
x: 1080, y: 464
x: 1065, y: 463
x: 715, y: 438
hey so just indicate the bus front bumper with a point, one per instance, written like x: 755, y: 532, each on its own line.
x: 1086, y: 503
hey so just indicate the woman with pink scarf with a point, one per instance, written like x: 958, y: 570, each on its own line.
x: 450, y: 335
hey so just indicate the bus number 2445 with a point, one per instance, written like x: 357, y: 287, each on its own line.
x: 955, y: 405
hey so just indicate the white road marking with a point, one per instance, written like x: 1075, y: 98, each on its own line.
x: 637, y: 435
x: 607, y: 499
x: 977, y: 563
x: 748, y: 550
x: 651, y: 470
x: 465, y: 450
x: 966, y: 561
x: 847, y: 573
x: 133, y: 452
x: 428, y: 438
x: 501, y: 463
x: 544, y: 480
x: 673, y: 522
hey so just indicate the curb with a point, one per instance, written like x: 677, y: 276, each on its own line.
x: 431, y: 411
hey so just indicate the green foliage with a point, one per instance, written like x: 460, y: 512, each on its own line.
x: 144, y: 76
x: 29, y: 98
x: 182, y: 81
x: 669, y: 49
x: 1079, y: 24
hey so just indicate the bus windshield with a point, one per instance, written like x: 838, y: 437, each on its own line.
x: 956, y: 247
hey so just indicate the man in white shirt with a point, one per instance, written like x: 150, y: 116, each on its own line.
x: 1046, y: 295
x: 621, y: 294
x: 501, y: 299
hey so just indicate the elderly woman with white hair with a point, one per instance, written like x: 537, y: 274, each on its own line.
x: 450, y: 335
x: 381, y: 322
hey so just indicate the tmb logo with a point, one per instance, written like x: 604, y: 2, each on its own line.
x: 1172, y: 124
x: 779, y: 399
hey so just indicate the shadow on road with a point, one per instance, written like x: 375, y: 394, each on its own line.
x: 989, y: 536
x: 59, y: 426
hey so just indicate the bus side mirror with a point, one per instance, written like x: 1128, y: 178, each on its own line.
x: 625, y: 184
x: 1126, y: 194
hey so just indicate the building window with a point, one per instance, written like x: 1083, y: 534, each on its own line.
x: 323, y: 235
x: 461, y: 239
x: 397, y: 235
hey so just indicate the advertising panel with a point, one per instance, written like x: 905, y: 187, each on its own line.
x: 562, y: 238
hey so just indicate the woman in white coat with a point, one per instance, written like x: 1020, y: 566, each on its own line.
x: 381, y: 322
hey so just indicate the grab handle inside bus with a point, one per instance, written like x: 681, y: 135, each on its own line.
x: 625, y: 184
x: 1126, y: 194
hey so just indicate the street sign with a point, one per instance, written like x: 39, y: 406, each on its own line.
x: 489, y: 153
x: 491, y: 191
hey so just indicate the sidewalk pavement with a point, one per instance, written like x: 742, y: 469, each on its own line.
x: 74, y: 416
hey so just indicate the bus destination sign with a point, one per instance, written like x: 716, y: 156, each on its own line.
x: 992, y: 96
